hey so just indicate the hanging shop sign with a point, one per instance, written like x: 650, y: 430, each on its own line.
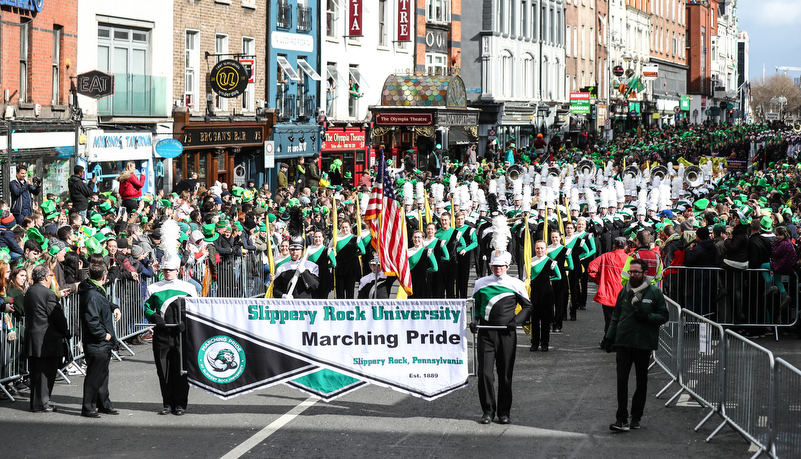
x: 118, y: 145
x: 404, y: 20
x: 202, y: 137
x: 457, y: 119
x: 169, y: 148
x: 343, y: 140
x: 650, y: 72
x: 404, y: 119
x: 229, y: 78
x: 355, y: 20
x: 30, y: 5
x: 95, y: 84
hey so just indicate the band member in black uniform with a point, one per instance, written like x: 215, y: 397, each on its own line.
x: 376, y: 284
x: 422, y: 262
x: 348, y: 249
x: 455, y: 243
x: 559, y: 253
x: 464, y: 257
x: 543, y: 271
x: 585, y: 259
x: 306, y: 272
x: 496, y: 298
x: 323, y: 257
x: 435, y: 279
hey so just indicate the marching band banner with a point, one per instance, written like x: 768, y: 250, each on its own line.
x: 326, y: 347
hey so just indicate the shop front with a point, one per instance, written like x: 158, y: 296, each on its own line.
x: 421, y: 114
x: 45, y: 148
x: 292, y: 141
x: 347, y: 144
x: 107, y: 151
x: 214, y: 149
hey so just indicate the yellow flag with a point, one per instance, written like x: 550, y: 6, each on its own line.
x: 567, y: 208
x: 358, y: 218
x: 453, y: 214
x: 335, y: 232
x: 271, y: 263
x: 428, y: 212
x: 402, y: 295
x: 419, y: 219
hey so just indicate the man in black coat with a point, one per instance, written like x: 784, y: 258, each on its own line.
x: 21, y: 191
x: 79, y: 191
x: 308, y: 280
x: 97, y: 323
x: 46, y: 328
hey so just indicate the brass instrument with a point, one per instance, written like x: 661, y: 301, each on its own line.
x: 514, y: 173
x: 586, y: 167
x: 632, y: 171
x: 692, y: 176
x: 659, y: 171
x: 554, y: 171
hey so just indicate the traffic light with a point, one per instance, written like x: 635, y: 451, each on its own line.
x: 593, y: 111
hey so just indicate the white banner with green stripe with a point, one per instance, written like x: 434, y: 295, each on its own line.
x: 326, y: 347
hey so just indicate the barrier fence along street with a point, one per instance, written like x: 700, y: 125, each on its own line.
x: 787, y: 410
x: 733, y: 297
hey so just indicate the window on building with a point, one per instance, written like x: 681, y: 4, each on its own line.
x: 382, y: 23
x: 439, y: 10
x: 283, y: 14
x: 558, y: 26
x: 674, y: 43
x: 249, y: 52
x: 551, y: 35
x: 354, y: 91
x: 506, y: 74
x: 583, y: 42
x: 529, y: 76
x: 191, y: 66
x: 567, y: 42
x: 220, y: 47
x: 124, y: 51
x: 591, y: 39
x: 502, y: 15
x: 575, y: 41
x: 56, y: 90
x: 436, y: 64
x: 24, y: 48
x: 535, y: 25
x: 521, y: 31
x: 331, y: 14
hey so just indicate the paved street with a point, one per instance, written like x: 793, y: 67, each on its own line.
x: 564, y: 402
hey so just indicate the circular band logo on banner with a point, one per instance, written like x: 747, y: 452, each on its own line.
x: 229, y: 78
x: 221, y: 359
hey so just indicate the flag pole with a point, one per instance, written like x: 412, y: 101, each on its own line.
x: 381, y: 171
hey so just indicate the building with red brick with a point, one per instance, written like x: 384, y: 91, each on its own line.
x: 39, y: 42
x: 700, y: 28
x: 668, y: 53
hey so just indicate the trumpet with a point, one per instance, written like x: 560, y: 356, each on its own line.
x: 692, y: 176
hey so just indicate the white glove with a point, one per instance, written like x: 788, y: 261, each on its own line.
x: 301, y: 267
x: 287, y: 296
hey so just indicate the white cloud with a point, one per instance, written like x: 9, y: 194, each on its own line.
x: 771, y: 13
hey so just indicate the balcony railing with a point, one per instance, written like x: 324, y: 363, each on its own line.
x: 283, y: 16
x: 304, y: 19
x: 285, y: 103
x: 307, y: 106
x: 136, y: 95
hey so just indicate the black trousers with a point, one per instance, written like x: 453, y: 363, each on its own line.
x: 608, y: 310
x: 95, y: 385
x: 130, y: 205
x: 584, y: 276
x: 541, y: 320
x: 464, y: 263
x: 346, y: 285
x: 626, y: 357
x: 496, y: 348
x: 573, y: 281
x: 174, y: 385
x: 560, y: 292
x: 449, y: 274
x: 42, y: 377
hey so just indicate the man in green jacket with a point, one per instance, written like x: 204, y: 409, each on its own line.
x: 634, y: 333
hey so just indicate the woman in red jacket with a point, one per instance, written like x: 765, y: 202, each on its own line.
x: 606, y: 271
x: 130, y: 187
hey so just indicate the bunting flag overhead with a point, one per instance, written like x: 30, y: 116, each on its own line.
x: 326, y: 348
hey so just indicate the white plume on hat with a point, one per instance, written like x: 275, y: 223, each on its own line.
x: 420, y: 192
x: 653, y: 199
x: 501, y: 187
x: 620, y: 191
x: 170, y: 233
x: 501, y: 233
x: 364, y: 199
x: 604, y: 194
x: 676, y: 186
x: 527, y: 199
x: 608, y: 168
x: 474, y: 191
x: 592, y: 205
x: 493, y: 187
x: 408, y: 193
x: 464, y: 196
x: 574, y: 199
x: 482, y: 199
x: 664, y: 196
x: 437, y: 191
x: 671, y: 171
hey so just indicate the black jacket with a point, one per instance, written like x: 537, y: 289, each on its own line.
x: 96, y: 317
x: 79, y: 193
x: 703, y: 255
x: 760, y: 248
x: 46, y: 324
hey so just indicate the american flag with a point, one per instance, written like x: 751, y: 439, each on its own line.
x: 383, y: 207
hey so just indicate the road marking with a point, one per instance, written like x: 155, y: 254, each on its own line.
x: 264, y: 433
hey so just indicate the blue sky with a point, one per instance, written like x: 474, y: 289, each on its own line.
x: 773, y: 28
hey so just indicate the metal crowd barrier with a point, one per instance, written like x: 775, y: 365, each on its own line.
x: 747, y: 390
x: 71, y: 305
x: 12, y: 366
x: 667, y: 354
x: 786, y: 423
x: 733, y: 297
x: 700, y: 362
